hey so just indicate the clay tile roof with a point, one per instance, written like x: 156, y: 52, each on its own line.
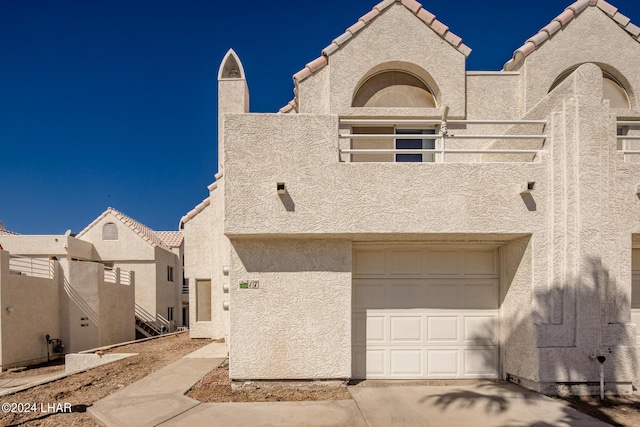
x: 560, y: 21
x: 415, y: 7
x: 147, y: 234
x: 195, y: 211
x: 291, y: 106
x: 8, y: 233
x: 173, y: 239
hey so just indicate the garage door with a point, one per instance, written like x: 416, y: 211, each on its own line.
x: 425, y: 313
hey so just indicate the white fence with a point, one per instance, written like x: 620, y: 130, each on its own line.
x: 36, y: 267
x: 439, y: 139
x: 116, y: 275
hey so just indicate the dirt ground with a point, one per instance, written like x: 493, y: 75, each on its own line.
x: 82, y: 389
x: 216, y: 387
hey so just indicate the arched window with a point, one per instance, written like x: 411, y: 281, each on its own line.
x: 394, y: 88
x: 613, y: 90
x: 110, y: 231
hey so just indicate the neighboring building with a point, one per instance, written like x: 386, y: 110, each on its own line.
x: 405, y: 218
x: 52, y: 293
x: 156, y: 258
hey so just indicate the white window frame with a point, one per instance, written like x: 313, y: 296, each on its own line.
x: 427, y: 143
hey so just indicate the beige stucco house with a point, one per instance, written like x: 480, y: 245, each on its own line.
x: 404, y: 217
x: 155, y: 256
x: 56, y: 299
x: 114, y: 281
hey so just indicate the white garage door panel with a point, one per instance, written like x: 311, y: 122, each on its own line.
x: 405, y: 329
x: 406, y: 362
x: 424, y: 313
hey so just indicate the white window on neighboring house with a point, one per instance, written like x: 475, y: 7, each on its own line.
x: 110, y: 231
x: 170, y: 273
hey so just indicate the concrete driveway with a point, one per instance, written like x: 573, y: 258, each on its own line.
x: 484, y: 404
x: 159, y: 400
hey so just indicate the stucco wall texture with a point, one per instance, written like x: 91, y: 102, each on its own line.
x: 297, y: 324
x: 565, y: 247
x: 30, y: 311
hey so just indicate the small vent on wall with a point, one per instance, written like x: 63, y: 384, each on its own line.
x: 110, y: 231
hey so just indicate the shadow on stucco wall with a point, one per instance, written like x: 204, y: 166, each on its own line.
x: 586, y: 319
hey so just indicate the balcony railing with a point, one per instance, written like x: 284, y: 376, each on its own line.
x: 110, y: 275
x: 628, y: 137
x: 36, y: 267
x: 117, y: 275
x: 452, y: 142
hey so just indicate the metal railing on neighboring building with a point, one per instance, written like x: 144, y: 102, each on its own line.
x: 30, y: 266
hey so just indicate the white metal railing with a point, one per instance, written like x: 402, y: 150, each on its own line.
x: 110, y: 275
x: 441, y: 149
x: 116, y: 275
x: 125, y: 277
x: 628, y: 131
x: 185, y: 286
x: 36, y: 267
x: 157, y: 323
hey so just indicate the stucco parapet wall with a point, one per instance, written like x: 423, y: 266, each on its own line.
x: 416, y: 8
x: 534, y: 42
x: 387, y: 238
x: 327, y: 196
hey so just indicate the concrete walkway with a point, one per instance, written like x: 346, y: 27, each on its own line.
x: 14, y: 385
x: 158, y: 400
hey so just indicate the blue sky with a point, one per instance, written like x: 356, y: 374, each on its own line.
x: 113, y: 103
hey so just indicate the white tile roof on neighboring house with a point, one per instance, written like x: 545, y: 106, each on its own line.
x: 424, y: 15
x: 173, y: 239
x: 195, y: 211
x: 147, y: 234
x: 562, y: 20
x: 8, y: 233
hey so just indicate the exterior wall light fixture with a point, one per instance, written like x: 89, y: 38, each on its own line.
x: 281, y: 188
x: 527, y: 187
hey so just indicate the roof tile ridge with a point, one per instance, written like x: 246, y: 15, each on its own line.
x: 197, y: 209
x: 563, y: 19
x: 607, y: 8
x: 142, y: 230
x: 414, y: 6
x: 533, y: 42
x: 94, y: 222
x: 291, y: 106
x: 311, y: 67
